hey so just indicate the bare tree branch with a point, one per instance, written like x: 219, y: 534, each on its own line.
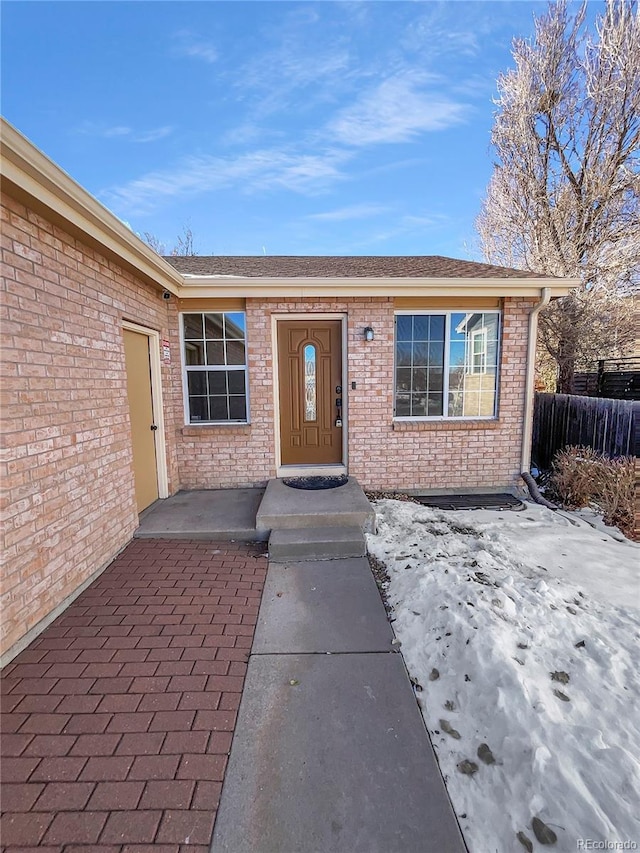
x: 564, y: 198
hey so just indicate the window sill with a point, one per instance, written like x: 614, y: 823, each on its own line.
x: 446, y: 425
x: 214, y: 429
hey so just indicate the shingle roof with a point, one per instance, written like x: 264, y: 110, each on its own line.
x: 290, y: 266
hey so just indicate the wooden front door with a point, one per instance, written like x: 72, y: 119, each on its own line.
x: 138, y: 367
x: 310, y: 377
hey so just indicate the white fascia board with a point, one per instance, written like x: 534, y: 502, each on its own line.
x: 32, y: 172
x: 206, y: 287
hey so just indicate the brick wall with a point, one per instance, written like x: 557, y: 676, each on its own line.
x: 68, y: 501
x: 382, y: 455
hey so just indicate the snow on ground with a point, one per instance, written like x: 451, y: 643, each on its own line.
x: 523, y: 629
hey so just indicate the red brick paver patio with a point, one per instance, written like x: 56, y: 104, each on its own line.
x: 117, y: 720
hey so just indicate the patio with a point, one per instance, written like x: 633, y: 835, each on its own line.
x: 117, y: 720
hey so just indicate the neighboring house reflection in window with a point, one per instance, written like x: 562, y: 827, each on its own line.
x: 446, y: 364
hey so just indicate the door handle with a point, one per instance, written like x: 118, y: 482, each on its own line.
x: 153, y: 427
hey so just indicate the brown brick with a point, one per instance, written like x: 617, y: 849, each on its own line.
x: 131, y: 827
x: 136, y: 722
x: 207, y: 795
x: 149, y: 743
x: 118, y: 703
x: 87, y: 723
x: 146, y: 767
x: 206, y: 767
x: 64, y: 796
x: 13, y: 744
x: 115, y: 796
x: 45, y: 745
x: 172, y: 721
x: 82, y: 827
x: 192, y: 827
x: 18, y: 769
x: 23, y: 829
x: 19, y: 797
x: 167, y: 795
x: 106, y: 768
x: 64, y: 769
x: 178, y: 743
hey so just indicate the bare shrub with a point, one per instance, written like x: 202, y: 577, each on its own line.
x: 583, y: 477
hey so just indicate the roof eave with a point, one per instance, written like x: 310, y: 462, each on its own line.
x: 200, y: 287
x: 32, y: 177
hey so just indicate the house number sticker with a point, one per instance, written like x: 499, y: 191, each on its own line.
x: 166, y: 352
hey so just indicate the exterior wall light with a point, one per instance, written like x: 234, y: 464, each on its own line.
x: 368, y: 334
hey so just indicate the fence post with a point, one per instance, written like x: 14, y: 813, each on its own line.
x: 600, y: 377
x: 636, y: 514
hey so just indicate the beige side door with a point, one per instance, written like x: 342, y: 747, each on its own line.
x: 138, y: 366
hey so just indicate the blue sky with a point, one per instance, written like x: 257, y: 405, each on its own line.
x: 275, y: 127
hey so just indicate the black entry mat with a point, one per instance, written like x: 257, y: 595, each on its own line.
x: 316, y: 483
x: 500, y: 501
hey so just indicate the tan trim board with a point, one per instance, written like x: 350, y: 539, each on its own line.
x: 430, y: 303
x: 227, y: 304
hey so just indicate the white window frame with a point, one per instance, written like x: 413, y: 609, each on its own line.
x: 482, y: 334
x: 186, y: 369
x: 447, y: 314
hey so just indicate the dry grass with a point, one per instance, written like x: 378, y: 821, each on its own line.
x: 582, y: 477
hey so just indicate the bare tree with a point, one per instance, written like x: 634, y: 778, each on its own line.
x: 154, y: 242
x: 184, y: 244
x: 564, y: 197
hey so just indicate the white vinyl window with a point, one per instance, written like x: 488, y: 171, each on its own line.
x: 446, y: 364
x: 215, y: 367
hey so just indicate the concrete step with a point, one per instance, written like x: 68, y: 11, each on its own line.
x: 285, y: 508
x: 316, y: 543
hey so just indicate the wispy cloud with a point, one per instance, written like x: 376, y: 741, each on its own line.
x: 352, y: 211
x: 120, y: 131
x: 193, y: 46
x: 406, y: 225
x: 305, y: 61
x: 397, y: 110
x: 153, y: 135
x: 307, y: 174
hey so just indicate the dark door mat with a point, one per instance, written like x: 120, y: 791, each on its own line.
x: 316, y: 483
x: 500, y: 501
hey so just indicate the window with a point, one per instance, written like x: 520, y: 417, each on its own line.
x: 309, y: 383
x: 478, y: 352
x: 215, y: 367
x: 446, y: 365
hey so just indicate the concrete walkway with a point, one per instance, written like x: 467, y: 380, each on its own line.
x: 330, y: 753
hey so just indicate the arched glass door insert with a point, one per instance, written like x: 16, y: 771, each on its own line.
x: 310, y: 383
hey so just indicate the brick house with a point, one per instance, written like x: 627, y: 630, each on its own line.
x: 127, y: 377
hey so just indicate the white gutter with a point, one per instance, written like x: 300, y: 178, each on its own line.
x: 527, y: 430
x: 300, y: 287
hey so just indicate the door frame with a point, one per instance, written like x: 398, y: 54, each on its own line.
x: 309, y: 470
x: 156, y: 402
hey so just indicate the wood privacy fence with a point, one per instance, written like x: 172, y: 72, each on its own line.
x: 608, y: 426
